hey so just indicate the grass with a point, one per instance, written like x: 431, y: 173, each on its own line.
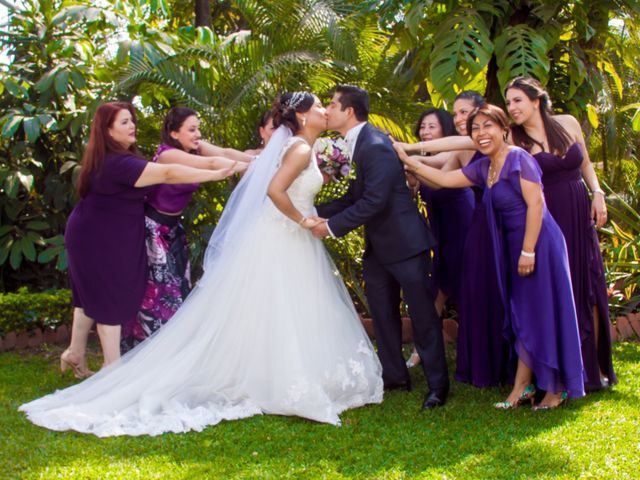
x: 594, y: 437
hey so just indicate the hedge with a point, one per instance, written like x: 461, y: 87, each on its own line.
x: 24, y: 311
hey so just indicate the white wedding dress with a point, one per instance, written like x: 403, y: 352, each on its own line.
x: 271, y: 329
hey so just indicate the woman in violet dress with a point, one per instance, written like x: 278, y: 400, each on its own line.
x: 169, y: 280
x: 449, y: 213
x: 481, y: 353
x: 104, y: 236
x: 531, y: 262
x: 557, y: 143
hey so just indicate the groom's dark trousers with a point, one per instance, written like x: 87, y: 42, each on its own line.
x: 396, y: 258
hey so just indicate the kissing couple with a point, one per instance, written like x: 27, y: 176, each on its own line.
x: 270, y: 328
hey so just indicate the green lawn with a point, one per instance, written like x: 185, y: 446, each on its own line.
x: 595, y: 437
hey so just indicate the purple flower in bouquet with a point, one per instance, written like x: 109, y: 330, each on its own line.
x: 345, y: 170
x: 333, y: 159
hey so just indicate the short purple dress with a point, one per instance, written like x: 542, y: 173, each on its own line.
x: 568, y: 202
x: 482, y: 354
x: 105, y: 246
x: 449, y: 211
x: 540, y: 320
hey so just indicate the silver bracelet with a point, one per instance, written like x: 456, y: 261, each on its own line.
x: 600, y: 191
x: 302, y: 221
x: 526, y: 254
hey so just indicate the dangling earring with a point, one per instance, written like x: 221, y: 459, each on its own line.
x: 304, y: 121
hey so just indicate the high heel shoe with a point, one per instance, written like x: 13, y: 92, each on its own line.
x: 79, y: 371
x: 563, y: 400
x: 527, y: 395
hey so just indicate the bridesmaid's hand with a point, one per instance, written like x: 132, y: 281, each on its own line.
x: 241, y: 167
x: 526, y: 265
x: 222, y: 173
x: 411, y: 163
x: 412, y: 182
x: 599, y: 209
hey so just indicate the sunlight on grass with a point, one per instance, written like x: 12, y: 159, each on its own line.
x: 595, y: 437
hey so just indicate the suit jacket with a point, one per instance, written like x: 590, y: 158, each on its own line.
x: 379, y: 199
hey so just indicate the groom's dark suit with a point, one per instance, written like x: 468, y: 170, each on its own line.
x: 397, y: 244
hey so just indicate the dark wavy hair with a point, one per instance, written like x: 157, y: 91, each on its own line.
x: 444, y: 119
x: 356, y: 98
x: 284, y: 114
x: 494, y: 112
x: 558, y: 138
x: 173, y: 122
x: 477, y: 99
x: 101, y: 143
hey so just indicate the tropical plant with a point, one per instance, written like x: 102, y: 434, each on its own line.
x: 51, y: 82
x: 60, y: 68
x: 622, y: 254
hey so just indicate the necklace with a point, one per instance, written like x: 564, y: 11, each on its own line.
x: 492, y: 175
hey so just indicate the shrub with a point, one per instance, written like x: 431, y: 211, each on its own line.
x: 24, y: 311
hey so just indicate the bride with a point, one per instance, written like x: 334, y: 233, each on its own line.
x: 270, y: 327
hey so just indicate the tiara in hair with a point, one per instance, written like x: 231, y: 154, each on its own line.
x: 295, y: 100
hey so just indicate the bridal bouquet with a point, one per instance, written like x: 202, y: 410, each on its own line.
x: 333, y: 159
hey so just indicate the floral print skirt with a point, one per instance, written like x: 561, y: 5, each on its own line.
x: 169, y: 279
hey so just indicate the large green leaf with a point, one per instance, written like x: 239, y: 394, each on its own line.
x: 28, y: 248
x: 462, y: 47
x: 46, y: 81
x: 31, y: 129
x: 62, y: 82
x: 5, y: 248
x: 521, y: 51
x: 11, y: 125
x: 15, y: 257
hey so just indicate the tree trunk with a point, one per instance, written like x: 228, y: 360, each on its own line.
x: 203, y: 14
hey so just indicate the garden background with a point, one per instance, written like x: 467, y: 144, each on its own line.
x: 229, y: 59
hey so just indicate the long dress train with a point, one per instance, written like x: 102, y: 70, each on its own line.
x: 270, y: 329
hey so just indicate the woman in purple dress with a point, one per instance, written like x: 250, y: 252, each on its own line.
x: 481, y: 353
x: 104, y: 236
x: 557, y: 143
x: 169, y: 280
x: 449, y: 214
x: 530, y: 258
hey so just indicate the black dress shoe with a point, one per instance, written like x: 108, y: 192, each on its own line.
x: 402, y: 386
x: 434, y: 399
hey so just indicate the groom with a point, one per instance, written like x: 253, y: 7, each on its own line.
x: 397, y: 240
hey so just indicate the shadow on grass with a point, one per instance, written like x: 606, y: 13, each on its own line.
x: 465, y: 439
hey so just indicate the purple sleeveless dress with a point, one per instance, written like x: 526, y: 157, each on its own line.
x: 105, y: 245
x: 540, y: 320
x: 449, y: 213
x: 482, y: 354
x: 568, y: 202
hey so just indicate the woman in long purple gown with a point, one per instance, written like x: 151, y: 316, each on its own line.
x: 482, y: 355
x: 557, y: 143
x: 104, y: 237
x: 531, y: 262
